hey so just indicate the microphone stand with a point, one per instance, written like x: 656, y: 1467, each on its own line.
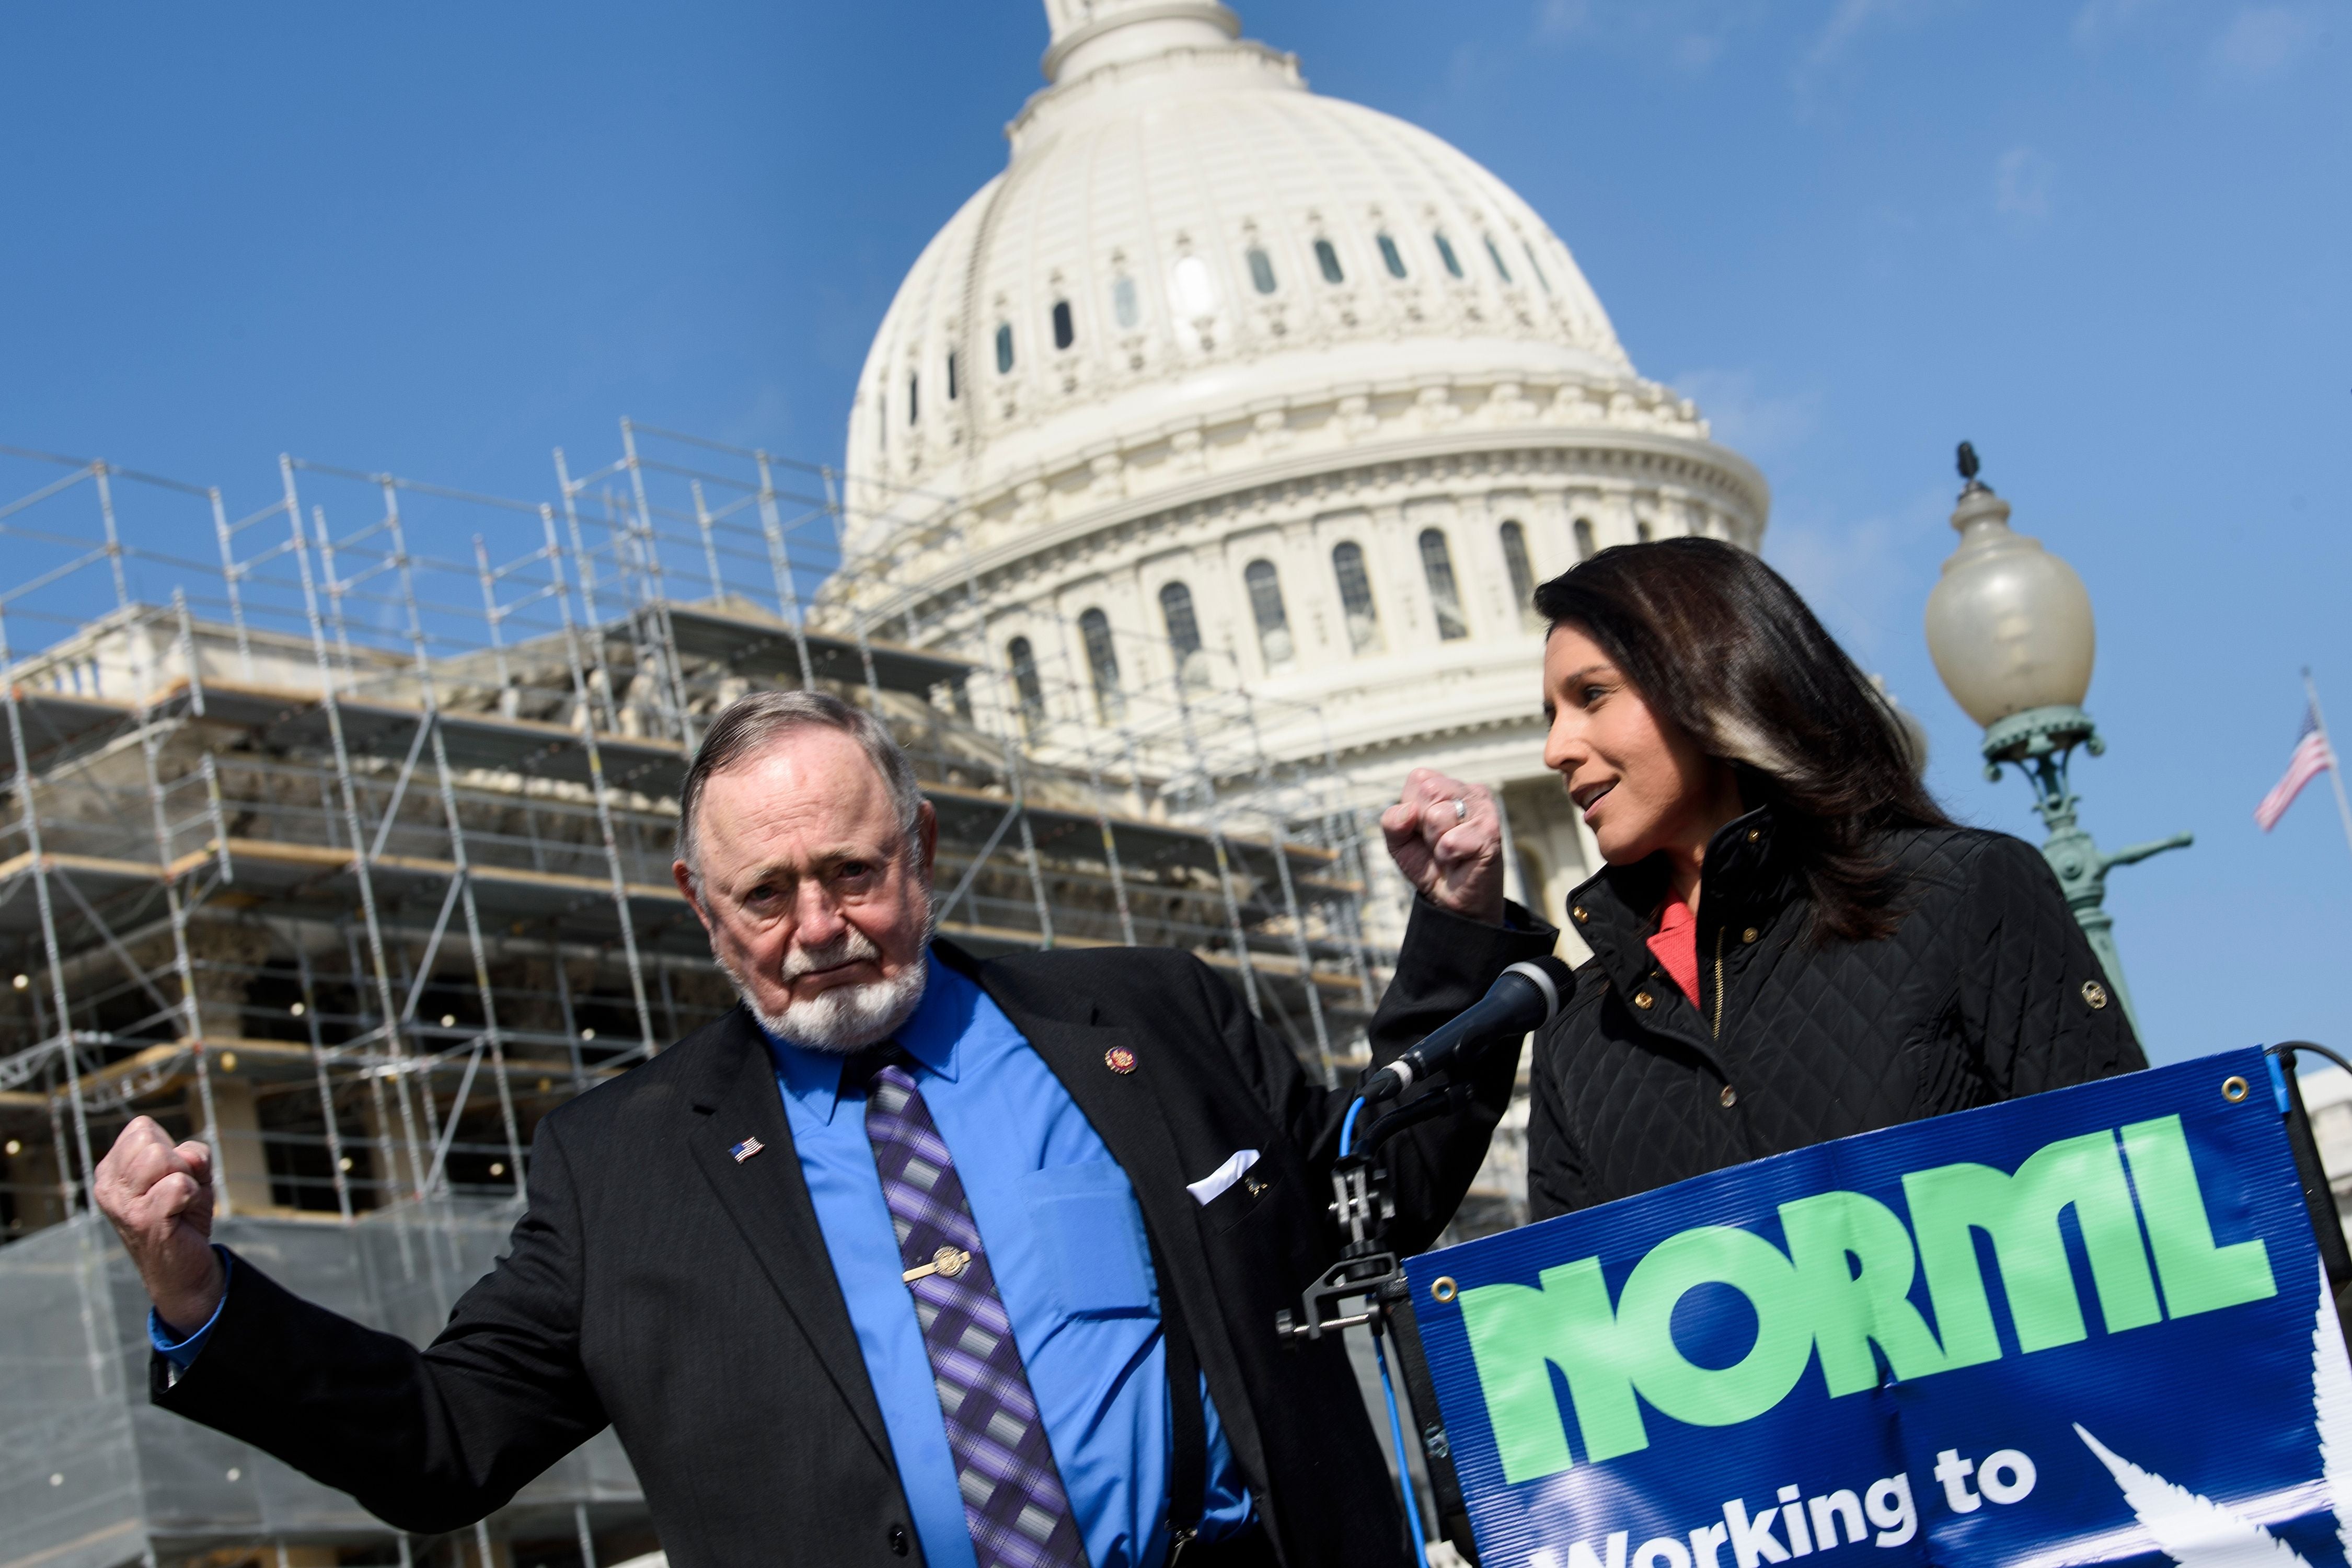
x: 1369, y: 1278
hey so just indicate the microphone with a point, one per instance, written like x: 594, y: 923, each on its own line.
x: 1524, y: 997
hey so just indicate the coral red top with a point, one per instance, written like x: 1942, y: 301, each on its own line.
x: 1676, y: 946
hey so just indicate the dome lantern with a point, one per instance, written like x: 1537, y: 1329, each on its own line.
x: 1088, y: 34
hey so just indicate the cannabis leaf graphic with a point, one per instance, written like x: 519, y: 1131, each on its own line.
x: 2192, y: 1529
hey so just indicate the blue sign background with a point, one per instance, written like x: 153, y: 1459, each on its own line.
x: 2220, y: 1403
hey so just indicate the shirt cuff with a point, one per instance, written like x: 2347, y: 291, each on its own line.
x: 183, y: 1355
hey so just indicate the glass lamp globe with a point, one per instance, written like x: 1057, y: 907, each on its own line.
x: 2009, y: 624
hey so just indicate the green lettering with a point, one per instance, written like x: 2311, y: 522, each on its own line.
x: 1705, y: 1396
x: 1517, y: 1332
x: 2198, y: 1276
x: 1849, y: 1308
x: 2021, y: 1214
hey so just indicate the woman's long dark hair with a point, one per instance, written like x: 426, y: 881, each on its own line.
x: 1720, y: 645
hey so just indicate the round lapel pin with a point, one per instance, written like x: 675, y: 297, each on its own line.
x: 1119, y: 1058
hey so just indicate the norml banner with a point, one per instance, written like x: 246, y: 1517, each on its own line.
x: 2086, y: 1327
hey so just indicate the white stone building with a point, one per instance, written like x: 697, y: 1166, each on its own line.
x: 1227, y: 383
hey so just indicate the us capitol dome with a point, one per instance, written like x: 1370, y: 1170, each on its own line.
x: 1222, y: 385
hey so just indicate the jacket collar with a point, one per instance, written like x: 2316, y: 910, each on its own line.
x: 1744, y: 879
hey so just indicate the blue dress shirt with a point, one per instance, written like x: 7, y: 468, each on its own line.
x: 1067, y: 1244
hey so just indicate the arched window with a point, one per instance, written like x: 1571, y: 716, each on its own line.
x: 1392, y: 257
x: 1102, y: 663
x: 1583, y: 538
x: 1261, y: 270
x: 1196, y: 291
x: 1122, y: 300
x: 1496, y: 256
x: 1027, y: 688
x: 1642, y: 532
x: 951, y: 376
x: 914, y: 397
x: 1445, y: 254
x: 1066, y: 331
x: 1534, y: 266
x: 1265, y: 606
x: 1328, y: 260
x: 1183, y: 633
x: 1445, y: 598
x: 1004, y: 348
x: 1356, y: 597
x: 1523, y: 574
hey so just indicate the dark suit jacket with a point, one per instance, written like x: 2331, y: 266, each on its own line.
x: 658, y: 1284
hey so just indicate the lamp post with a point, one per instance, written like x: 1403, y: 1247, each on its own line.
x: 2009, y: 625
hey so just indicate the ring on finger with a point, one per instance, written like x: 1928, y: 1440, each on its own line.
x: 1461, y: 809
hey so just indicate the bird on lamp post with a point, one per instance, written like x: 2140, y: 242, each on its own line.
x: 2010, y: 628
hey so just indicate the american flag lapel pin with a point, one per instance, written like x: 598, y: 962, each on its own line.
x: 746, y: 1149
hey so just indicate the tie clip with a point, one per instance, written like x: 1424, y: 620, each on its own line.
x: 947, y: 1263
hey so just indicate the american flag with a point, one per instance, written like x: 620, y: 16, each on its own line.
x: 2311, y: 758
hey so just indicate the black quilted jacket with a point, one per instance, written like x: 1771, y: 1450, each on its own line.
x: 1987, y: 990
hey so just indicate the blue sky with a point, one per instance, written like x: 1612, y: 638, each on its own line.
x: 2104, y: 239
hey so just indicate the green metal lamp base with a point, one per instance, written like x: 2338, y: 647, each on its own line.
x: 2040, y: 743
x: 2038, y: 733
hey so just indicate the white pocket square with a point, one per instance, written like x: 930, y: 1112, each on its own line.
x: 1207, y: 1189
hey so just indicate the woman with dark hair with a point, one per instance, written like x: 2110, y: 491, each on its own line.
x: 1790, y: 941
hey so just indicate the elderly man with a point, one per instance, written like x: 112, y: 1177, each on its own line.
x: 911, y: 1256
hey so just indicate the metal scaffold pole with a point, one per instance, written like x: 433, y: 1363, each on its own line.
x: 143, y: 682
x: 587, y: 727
x: 1298, y: 944
x: 75, y: 1186
x: 463, y: 878
x: 395, y: 1048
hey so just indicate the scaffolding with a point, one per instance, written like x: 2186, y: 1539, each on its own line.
x: 337, y: 836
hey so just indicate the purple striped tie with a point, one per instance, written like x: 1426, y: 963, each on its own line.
x: 1013, y: 1503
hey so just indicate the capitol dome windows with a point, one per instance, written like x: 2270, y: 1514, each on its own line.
x: 951, y: 376
x: 1195, y: 290
x: 1363, y: 616
x: 1027, y: 690
x: 1583, y: 531
x: 1523, y: 572
x: 1496, y: 256
x: 1392, y: 258
x: 1123, y: 307
x: 1261, y: 269
x: 1183, y: 633
x: 1328, y: 260
x: 1445, y: 253
x: 1102, y: 663
x: 914, y: 397
x: 1445, y: 595
x: 1534, y: 266
x: 1066, y: 330
x: 1004, y: 348
x: 1266, y: 606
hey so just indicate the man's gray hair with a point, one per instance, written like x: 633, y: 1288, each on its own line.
x: 751, y: 724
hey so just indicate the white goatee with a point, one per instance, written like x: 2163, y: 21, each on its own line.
x: 848, y: 1018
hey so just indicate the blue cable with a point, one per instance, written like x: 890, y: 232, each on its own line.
x: 1348, y: 1129
x: 1396, y: 1427
x: 1405, y: 1468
